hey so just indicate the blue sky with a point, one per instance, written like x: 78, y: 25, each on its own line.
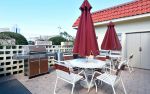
x: 43, y: 17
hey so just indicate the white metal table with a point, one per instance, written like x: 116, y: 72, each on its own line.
x: 86, y: 64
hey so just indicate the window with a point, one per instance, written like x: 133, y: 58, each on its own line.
x: 119, y: 36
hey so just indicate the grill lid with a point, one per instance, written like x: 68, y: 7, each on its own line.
x: 35, y: 49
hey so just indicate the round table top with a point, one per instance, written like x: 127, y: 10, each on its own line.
x: 86, y: 63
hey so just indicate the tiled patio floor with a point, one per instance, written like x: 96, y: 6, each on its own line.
x: 137, y: 82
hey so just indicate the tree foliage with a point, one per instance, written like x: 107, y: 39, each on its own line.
x: 3, y: 36
x: 20, y: 39
x: 57, y: 40
x: 31, y: 43
x: 66, y: 36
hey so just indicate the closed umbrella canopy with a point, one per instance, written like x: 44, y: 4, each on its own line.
x: 85, y: 41
x: 111, y: 41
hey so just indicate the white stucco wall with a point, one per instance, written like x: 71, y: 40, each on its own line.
x: 134, y: 25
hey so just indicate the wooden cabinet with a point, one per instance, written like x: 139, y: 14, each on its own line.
x: 33, y: 67
x: 36, y: 67
x: 43, y: 65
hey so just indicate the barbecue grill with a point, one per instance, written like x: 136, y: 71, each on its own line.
x: 36, y: 58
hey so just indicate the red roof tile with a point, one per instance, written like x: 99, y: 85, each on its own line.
x: 133, y: 8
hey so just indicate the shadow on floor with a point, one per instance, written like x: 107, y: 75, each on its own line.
x: 13, y: 87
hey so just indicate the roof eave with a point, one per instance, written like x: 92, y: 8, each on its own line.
x: 123, y: 19
x: 119, y: 20
x: 75, y: 27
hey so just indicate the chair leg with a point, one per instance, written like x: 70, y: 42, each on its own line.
x: 113, y: 66
x: 89, y: 87
x: 78, y: 70
x: 72, y: 88
x: 132, y: 68
x: 95, y: 86
x: 129, y: 68
x: 55, y: 86
x: 110, y: 69
x: 101, y: 83
x: 113, y: 89
x: 123, y: 86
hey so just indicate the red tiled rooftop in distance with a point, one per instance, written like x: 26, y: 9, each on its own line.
x: 133, y: 8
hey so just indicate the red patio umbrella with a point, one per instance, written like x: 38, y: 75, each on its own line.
x: 85, y: 42
x: 111, y: 41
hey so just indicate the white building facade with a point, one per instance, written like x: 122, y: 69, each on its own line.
x: 132, y: 24
x: 131, y: 32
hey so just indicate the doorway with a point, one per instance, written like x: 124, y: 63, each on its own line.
x: 139, y: 44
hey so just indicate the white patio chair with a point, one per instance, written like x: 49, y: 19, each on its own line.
x: 104, y: 53
x: 114, y: 57
x: 128, y: 63
x: 58, y: 56
x: 109, y: 64
x: 64, y: 73
x: 110, y: 79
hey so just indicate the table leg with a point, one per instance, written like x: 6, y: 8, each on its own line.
x: 86, y: 83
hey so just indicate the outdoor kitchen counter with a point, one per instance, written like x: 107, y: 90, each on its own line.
x: 20, y: 56
x: 26, y: 56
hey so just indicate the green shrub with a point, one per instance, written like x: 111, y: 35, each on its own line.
x: 20, y: 39
x: 57, y: 40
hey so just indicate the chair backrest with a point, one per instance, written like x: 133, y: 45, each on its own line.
x: 101, y: 58
x: 62, y: 71
x: 104, y: 53
x: 115, y: 52
x: 121, y: 64
x: 120, y: 67
x: 58, y: 56
x: 75, y: 56
x: 62, y: 67
x: 130, y: 57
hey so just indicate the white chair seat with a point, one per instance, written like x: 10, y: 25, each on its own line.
x: 77, y: 77
x: 64, y: 73
x: 107, y: 78
x: 72, y: 78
